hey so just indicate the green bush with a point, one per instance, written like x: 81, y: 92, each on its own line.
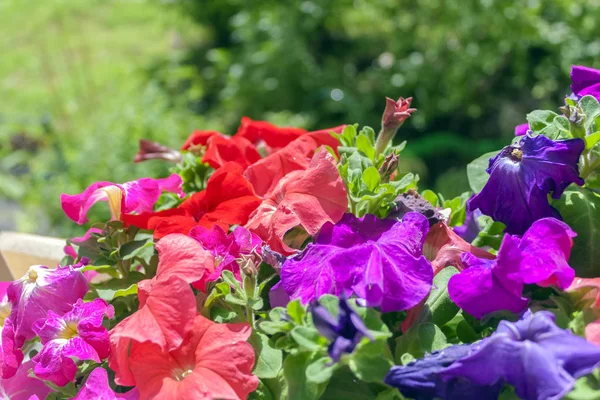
x: 80, y: 82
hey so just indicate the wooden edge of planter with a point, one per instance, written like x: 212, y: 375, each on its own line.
x: 18, y: 251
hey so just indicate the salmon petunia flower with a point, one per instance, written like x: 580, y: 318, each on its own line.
x: 214, y: 361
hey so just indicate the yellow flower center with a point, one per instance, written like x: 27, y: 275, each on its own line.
x: 180, y: 374
x: 32, y: 275
x: 5, y: 309
x: 517, y: 153
x: 69, y: 331
x: 114, y: 194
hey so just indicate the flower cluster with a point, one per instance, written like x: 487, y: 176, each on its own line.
x: 286, y: 263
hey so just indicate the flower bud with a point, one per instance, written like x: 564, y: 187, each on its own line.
x: 155, y: 151
x: 394, y: 115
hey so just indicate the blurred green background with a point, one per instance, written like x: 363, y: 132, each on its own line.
x: 82, y: 81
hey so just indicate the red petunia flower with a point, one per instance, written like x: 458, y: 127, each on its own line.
x: 227, y: 200
x: 266, y: 173
x: 221, y: 149
x: 274, y: 136
x: 307, y: 198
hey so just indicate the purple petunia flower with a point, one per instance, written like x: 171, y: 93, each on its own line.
x: 422, y: 379
x: 379, y: 260
x: 96, y: 387
x: 470, y: 229
x: 539, y: 257
x: 22, y: 387
x: 344, y: 332
x: 585, y: 81
x: 77, y: 334
x: 522, y: 176
x: 136, y: 196
x: 226, y: 248
x: 535, y: 356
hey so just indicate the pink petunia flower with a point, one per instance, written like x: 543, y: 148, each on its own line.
x: 30, y: 297
x: 96, y: 387
x: 77, y: 334
x: 22, y: 387
x: 136, y: 196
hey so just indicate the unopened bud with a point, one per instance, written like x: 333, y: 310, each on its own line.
x: 389, y: 166
x: 155, y: 151
x: 394, y: 115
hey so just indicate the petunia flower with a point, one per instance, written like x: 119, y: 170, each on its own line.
x: 522, y: 129
x: 421, y: 379
x: 78, y: 334
x: 150, y: 150
x: 222, y: 149
x: 70, y: 251
x: 444, y: 247
x: 214, y: 361
x: 522, y: 176
x: 535, y: 356
x: 96, y: 387
x: 273, y: 136
x: 227, y: 200
x: 130, y: 197
x: 265, y: 174
x: 585, y: 81
x: 11, y: 355
x: 167, y: 303
x: 198, y: 138
x: 380, y: 260
x: 344, y: 332
x: 539, y: 257
x: 225, y: 248
x: 42, y: 289
x: 308, y: 198
x: 23, y: 387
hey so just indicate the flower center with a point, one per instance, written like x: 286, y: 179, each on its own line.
x: 180, y: 374
x: 69, y: 330
x: 32, y: 275
x: 5, y: 309
x: 517, y: 154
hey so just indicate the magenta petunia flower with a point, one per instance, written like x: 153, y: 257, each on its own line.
x: 136, y: 196
x: 22, y: 387
x: 539, y: 257
x: 522, y: 176
x: 522, y: 129
x: 78, y: 334
x: 96, y: 387
x: 585, y: 81
x: 42, y: 289
x: 226, y: 248
x: 381, y: 261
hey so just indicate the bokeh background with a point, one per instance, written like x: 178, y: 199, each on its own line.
x: 82, y: 81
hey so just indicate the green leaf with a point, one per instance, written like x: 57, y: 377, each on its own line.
x: 371, y: 178
x: 103, y: 269
x: 476, y: 171
x: 591, y: 109
x: 591, y: 140
x: 420, y: 339
x: 269, y: 360
x: 491, y: 233
x: 294, y: 370
x: 586, y: 387
x: 369, y: 362
x: 344, y: 386
x: 364, y: 145
x: 580, y: 208
x: 309, y: 338
x: 295, y: 311
x: 440, y: 306
x: 347, y: 136
x: 230, y: 279
x: 321, y: 370
x: 431, y: 338
x: 550, y: 124
x: 431, y: 197
x: 136, y: 248
x: 116, y: 288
